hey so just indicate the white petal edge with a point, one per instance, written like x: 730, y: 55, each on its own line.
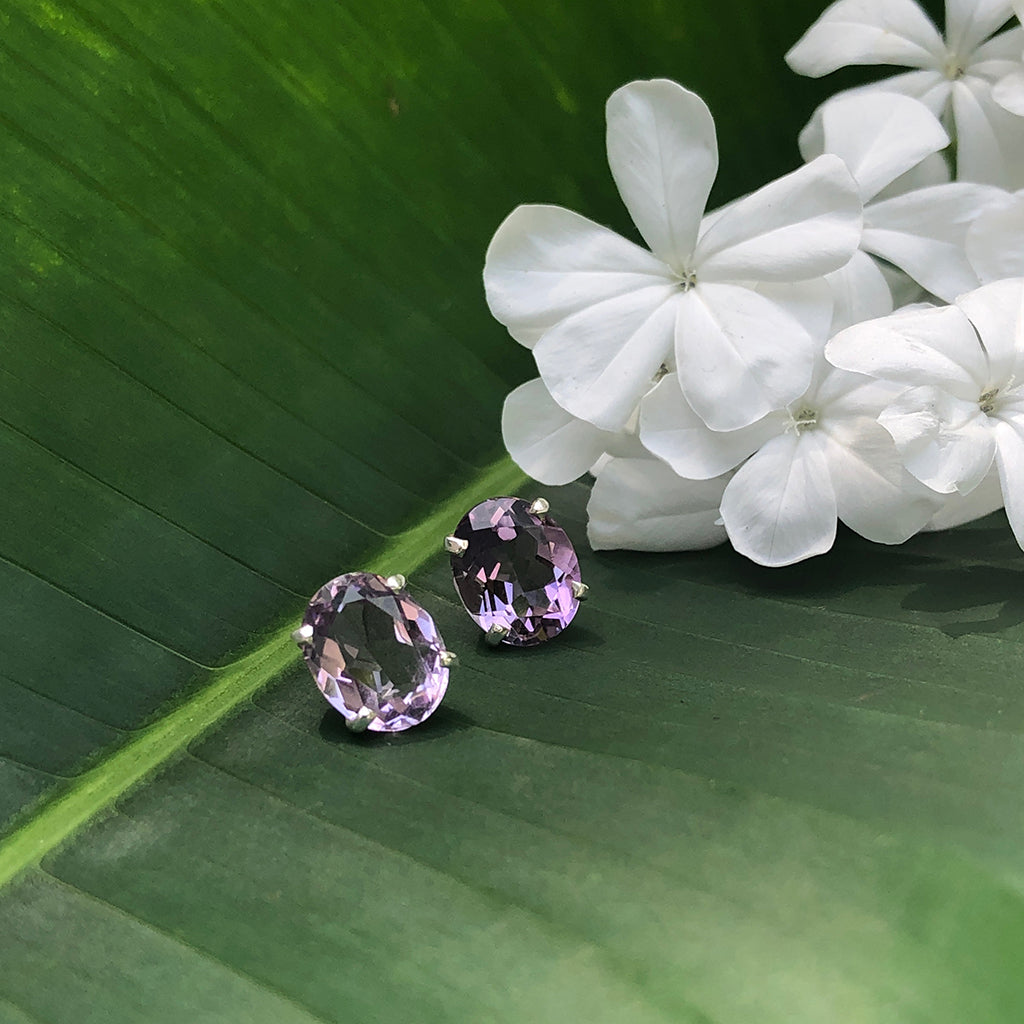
x: 780, y: 507
x: 545, y: 441
x: 970, y: 22
x: 598, y: 363
x: 860, y: 292
x: 670, y: 429
x: 880, y: 136
x: 800, y: 226
x: 945, y: 442
x: 993, y: 242
x: 867, y: 32
x: 927, y: 345
x: 1010, y: 463
x: 1008, y: 92
x: 738, y: 355
x: 958, y: 509
x: 663, y: 155
x: 641, y: 505
x: 546, y: 263
x: 997, y: 312
x: 924, y: 233
x: 990, y: 140
x: 875, y: 496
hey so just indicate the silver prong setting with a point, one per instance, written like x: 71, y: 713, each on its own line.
x: 540, y: 507
x: 455, y: 545
x: 396, y: 582
x: 361, y: 722
x: 496, y: 634
x: 579, y: 590
x: 303, y: 634
x: 448, y: 659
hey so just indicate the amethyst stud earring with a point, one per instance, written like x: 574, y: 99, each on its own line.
x: 516, y: 571
x: 374, y: 652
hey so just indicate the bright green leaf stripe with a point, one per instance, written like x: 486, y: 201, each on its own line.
x: 95, y: 790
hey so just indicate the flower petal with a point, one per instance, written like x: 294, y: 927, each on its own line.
x: 875, y: 496
x: 663, y: 154
x: 545, y: 263
x: 990, y: 140
x: 880, y: 136
x: 780, y: 507
x: 997, y: 312
x: 739, y: 356
x: 928, y: 345
x: 931, y: 88
x: 970, y: 22
x: 1008, y: 92
x: 1009, y: 437
x: 670, y: 429
x: 802, y: 225
x: 1005, y: 46
x: 945, y: 442
x: 958, y: 508
x: 811, y: 302
x: 993, y: 241
x: 925, y: 233
x: 932, y: 170
x: 640, y: 504
x: 598, y: 363
x: 867, y: 32
x: 860, y: 292
x: 544, y: 440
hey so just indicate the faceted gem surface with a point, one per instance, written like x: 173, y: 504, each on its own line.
x: 374, y: 648
x: 517, y: 571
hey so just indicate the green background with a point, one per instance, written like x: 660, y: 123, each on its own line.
x: 245, y: 348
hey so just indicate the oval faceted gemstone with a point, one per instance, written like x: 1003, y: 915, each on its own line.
x: 517, y: 571
x: 376, y: 649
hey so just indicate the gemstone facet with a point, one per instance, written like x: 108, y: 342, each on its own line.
x: 374, y: 652
x: 516, y: 572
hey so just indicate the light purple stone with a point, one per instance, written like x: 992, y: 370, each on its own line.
x: 374, y: 648
x: 517, y: 571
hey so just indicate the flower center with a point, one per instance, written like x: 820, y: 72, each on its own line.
x: 987, y: 401
x: 955, y: 68
x: 687, y: 279
x: 805, y: 419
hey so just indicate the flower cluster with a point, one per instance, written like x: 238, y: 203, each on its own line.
x: 845, y: 343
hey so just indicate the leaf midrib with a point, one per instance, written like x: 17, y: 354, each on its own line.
x: 59, y: 815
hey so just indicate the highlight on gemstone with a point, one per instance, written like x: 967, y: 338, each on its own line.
x: 515, y: 571
x: 374, y: 652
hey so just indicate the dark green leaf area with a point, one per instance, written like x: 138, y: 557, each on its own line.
x: 712, y: 799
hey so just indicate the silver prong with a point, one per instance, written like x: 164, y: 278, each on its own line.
x: 579, y: 590
x: 449, y: 658
x: 496, y: 634
x: 396, y: 582
x: 361, y: 722
x: 303, y: 634
x: 540, y: 506
x: 455, y: 545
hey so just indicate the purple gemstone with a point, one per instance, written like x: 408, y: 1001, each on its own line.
x: 374, y: 649
x: 517, y: 571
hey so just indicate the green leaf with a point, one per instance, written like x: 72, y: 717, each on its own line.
x: 245, y: 348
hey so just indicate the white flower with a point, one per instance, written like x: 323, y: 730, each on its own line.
x: 962, y: 411
x: 824, y: 458
x: 954, y: 76
x: 640, y: 504
x: 883, y: 137
x: 604, y: 315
